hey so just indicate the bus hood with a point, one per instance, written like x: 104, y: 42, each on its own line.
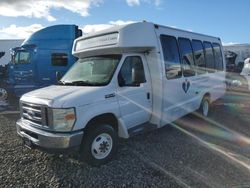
x: 67, y: 96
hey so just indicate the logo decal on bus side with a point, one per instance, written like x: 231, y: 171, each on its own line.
x: 185, y: 86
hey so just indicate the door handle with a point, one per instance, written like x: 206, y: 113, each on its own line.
x: 148, y: 95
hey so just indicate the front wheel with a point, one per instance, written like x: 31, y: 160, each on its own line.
x: 99, y: 145
x: 204, y: 107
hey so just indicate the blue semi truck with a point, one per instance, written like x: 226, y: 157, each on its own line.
x: 41, y: 59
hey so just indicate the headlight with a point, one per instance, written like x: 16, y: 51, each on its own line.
x: 62, y: 119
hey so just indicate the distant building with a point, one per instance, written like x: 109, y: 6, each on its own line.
x: 5, y: 46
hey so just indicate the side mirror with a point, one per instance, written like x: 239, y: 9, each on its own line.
x: 58, y: 76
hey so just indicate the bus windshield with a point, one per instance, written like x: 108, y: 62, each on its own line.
x: 91, y: 71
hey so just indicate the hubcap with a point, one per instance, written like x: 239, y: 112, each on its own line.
x: 3, y: 94
x: 102, y: 146
x: 205, y: 108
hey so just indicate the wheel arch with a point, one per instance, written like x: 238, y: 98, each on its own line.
x: 207, y: 95
x: 110, y: 119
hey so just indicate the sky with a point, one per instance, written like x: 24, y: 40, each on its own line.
x: 227, y: 19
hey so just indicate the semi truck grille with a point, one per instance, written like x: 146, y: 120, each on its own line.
x: 35, y: 114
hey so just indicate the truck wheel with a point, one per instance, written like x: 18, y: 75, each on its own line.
x: 204, y: 107
x: 99, y: 145
x: 3, y: 94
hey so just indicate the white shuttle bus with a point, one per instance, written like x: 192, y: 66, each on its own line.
x: 128, y: 79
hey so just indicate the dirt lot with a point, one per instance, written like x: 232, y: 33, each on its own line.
x: 192, y: 152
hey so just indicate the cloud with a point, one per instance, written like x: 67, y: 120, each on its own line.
x: 138, y: 2
x: 120, y: 22
x: 16, y: 32
x: 99, y: 27
x: 23, y: 32
x: 229, y: 43
x: 41, y: 8
x: 157, y: 2
x: 133, y: 2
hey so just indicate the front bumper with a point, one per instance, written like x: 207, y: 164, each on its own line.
x: 45, y: 140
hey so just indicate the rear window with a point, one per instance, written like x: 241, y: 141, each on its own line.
x: 218, y: 56
x: 209, y: 56
x: 199, y: 56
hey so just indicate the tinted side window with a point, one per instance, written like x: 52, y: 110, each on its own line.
x: 209, y: 55
x: 187, y: 57
x: 59, y: 59
x: 171, y: 57
x: 132, y: 72
x: 199, y: 56
x: 218, y: 56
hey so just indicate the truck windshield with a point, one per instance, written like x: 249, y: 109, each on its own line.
x: 21, y: 57
x: 91, y: 71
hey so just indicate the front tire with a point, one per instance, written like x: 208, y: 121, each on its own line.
x: 99, y: 145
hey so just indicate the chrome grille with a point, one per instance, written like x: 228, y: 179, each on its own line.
x: 35, y: 114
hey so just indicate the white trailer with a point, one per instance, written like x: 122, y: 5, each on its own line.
x: 5, y: 49
x: 241, y: 51
x: 128, y: 79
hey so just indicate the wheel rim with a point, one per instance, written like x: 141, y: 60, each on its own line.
x: 205, y: 108
x: 3, y: 94
x: 102, y: 146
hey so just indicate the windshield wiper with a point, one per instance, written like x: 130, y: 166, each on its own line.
x: 60, y: 82
x: 80, y: 83
x: 86, y: 83
x: 64, y: 83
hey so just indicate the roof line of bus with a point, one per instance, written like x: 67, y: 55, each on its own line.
x: 116, y: 29
x: 182, y: 30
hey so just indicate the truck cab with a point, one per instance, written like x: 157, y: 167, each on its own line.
x: 42, y: 57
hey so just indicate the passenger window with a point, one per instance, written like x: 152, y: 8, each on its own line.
x: 132, y: 72
x: 218, y: 56
x: 209, y: 56
x: 187, y: 57
x: 171, y: 57
x: 199, y: 56
x: 59, y: 59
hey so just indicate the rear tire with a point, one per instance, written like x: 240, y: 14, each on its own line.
x: 204, y: 107
x: 99, y: 145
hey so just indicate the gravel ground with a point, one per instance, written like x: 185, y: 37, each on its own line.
x: 21, y: 167
x: 191, y: 153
